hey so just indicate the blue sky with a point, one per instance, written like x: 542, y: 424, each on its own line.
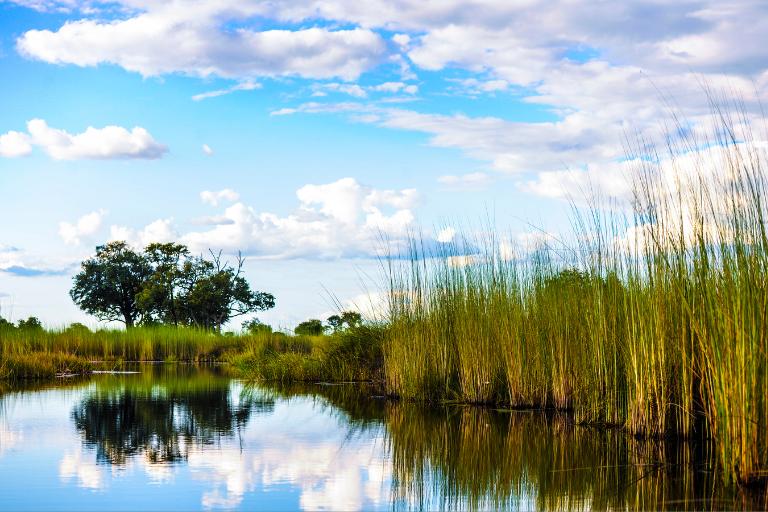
x: 327, y: 123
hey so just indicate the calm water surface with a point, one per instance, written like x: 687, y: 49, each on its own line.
x: 176, y: 437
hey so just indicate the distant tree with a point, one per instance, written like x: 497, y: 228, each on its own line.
x: 335, y: 322
x: 78, y: 328
x: 108, y: 284
x: 255, y: 326
x: 346, y: 318
x: 351, y: 318
x: 311, y: 327
x: 30, y: 324
x: 214, y: 292
x: 5, y: 324
x: 164, y: 285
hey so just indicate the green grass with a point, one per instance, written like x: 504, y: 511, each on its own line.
x: 350, y: 355
x: 41, y: 354
x: 664, y: 335
x: 137, y: 344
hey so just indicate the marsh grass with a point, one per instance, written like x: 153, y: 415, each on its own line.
x: 655, y: 323
x: 40, y: 354
x: 350, y: 355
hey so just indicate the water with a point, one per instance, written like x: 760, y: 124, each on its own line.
x: 176, y: 437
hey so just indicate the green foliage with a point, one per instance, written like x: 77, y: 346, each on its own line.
x: 349, y: 355
x: 41, y: 365
x: 311, y: 327
x: 163, y: 343
x: 348, y: 319
x: 255, y: 326
x: 109, y: 283
x: 30, y: 324
x: 164, y: 285
x: 657, y: 326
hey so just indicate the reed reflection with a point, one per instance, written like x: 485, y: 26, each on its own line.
x: 162, y: 414
x: 458, y: 457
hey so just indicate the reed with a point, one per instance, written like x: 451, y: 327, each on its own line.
x: 653, y: 321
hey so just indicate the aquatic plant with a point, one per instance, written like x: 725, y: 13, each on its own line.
x: 653, y: 321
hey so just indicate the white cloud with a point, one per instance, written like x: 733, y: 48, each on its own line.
x: 333, y: 220
x: 193, y: 39
x: 214, y: 198
x: 473, y: 179
x: 110, y: 142
x: 394, y: 87
x: 15, y: 144
x: 446, y: 235
x: 403, y: 40
x: 322, y: 89
x: 207, y: 150
x: 19, y: 262
x: 624, y: 56
x: 160, y: 230
x: 85, y: 226
x: 248, y: 85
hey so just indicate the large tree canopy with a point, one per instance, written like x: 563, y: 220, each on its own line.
x: 164, y: 285
x: 108, y: 283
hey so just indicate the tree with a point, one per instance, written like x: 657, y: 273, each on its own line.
x: 214, y: 292
x: 77, y: 328
x: 5, y: 324
x: 311, y: 327
x: 255, y: 326
x: 158, y: 297
x: 31, y: 324
x: 109, y: 283
x: 351, y: 318
x: 164, y: 284
x: 335, y: 323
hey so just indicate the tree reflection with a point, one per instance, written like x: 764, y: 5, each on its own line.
x: 162, y: 415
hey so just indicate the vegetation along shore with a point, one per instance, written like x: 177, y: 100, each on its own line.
x: 653, y: 322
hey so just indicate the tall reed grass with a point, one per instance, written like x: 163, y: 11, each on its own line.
x: 654, y: 321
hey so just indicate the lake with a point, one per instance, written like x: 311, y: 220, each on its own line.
x: 180, y: 437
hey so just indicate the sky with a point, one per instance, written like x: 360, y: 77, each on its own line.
x: 314, y: 135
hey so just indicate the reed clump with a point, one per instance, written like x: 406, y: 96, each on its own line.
x: 353, y: 354
x: 653, y: 321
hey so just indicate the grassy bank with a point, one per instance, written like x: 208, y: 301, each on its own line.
x: 351, y: 355
x: 40, y: 354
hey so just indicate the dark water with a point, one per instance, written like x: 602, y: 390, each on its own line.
x: 184, y: 438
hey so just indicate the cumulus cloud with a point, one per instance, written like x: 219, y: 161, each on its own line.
x: 15, y: 144
x: 343, y: 218
x: 194, y: 39
x: 620, y: 55
x: 110, y: 142
x: 213, y: 198
x: 160, y: 230
x: 86, y: 226
x: 340, y: 219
